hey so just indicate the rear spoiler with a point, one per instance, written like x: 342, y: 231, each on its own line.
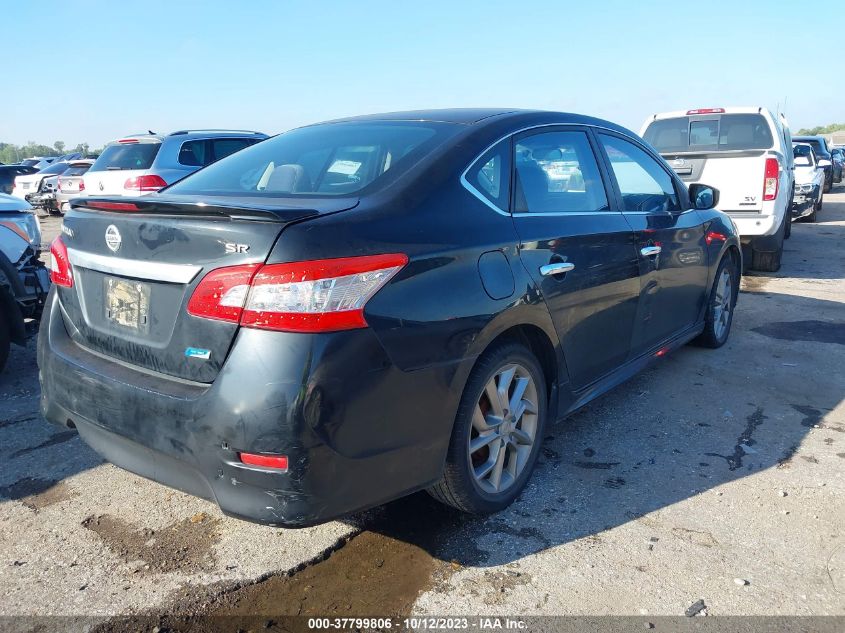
x: 237, y: 210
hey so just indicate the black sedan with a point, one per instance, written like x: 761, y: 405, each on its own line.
x: 356, y: 310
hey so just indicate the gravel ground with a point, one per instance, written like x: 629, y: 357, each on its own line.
x: 714, y: 476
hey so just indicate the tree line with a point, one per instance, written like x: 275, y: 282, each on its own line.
x: 11, y: 153
x: 822, y: 129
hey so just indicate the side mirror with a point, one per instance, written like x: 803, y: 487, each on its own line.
x: 703, y: 196
x: 823, y: 162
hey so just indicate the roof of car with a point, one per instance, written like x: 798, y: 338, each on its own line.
x: 148, y: 137
x: 727, y: 110
x: 449, y: 115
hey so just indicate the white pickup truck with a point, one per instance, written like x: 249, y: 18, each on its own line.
x: 745, y: 153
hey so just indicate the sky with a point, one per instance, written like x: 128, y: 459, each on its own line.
x: 94, y: 70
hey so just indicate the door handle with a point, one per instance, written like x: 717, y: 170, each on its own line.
x: 557, y: 268
x: 650, y: 251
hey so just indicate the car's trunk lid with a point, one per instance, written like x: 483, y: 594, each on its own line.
x: 134, y: 271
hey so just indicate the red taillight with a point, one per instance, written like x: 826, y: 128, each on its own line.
x: 111, y: 206
x: 278, y: 462
x: 81, y: 185
x: 148, y: 182
x: 60, y: 272
x: 314, y: 296
x: 706, y: 111
x: 712, y: 236
x: 770, y: 179
x: 59, y: 184
x: 221, y: 293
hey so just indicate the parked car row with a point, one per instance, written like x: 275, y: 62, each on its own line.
x: 749, y: 155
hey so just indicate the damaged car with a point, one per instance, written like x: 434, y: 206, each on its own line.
x: 24, y: 280
x: 353, y: 311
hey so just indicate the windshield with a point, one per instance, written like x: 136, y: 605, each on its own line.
x: 76, y: 171
x: 817, y: 146
x: 329, y: 159
x: 713, y: 133
x: 121, y: 156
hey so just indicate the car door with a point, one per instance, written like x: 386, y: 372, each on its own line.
x: 576, y: 247
x: 669, y: 241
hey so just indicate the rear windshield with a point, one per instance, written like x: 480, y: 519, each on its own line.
x: 122, y: 156
x: 803, y: 154
x: 330, y: 159
x: 55, y: 168
x: 76, y: 171
x: 713, y: 133
x: 816, y: 143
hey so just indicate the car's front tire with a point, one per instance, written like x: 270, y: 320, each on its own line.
x: 497, y: 433
x: 720, y: 308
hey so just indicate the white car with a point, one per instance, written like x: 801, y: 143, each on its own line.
x: 809, y: 182
x: 31, y: 184
x: 745, y: 153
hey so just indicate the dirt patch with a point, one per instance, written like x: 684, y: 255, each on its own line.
x: 754, y: 284
x: 371, y: 574
x: 37, y: 494
x: 186, y: 546
x: 696, y: 537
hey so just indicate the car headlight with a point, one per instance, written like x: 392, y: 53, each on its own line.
x: 803, y: 187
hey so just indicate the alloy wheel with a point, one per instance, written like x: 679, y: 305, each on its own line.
x: 723, y: 304
x: 504, y: 429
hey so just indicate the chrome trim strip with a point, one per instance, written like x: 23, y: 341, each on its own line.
x: 153, y: 271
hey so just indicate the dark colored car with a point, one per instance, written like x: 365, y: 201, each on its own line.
x: 8, y: 173
x: 823, y: 155
x: 356, y: 310
x: 838, y: 156
x: 24, y: 280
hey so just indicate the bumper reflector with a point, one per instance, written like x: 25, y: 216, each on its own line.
x: 277, y: 462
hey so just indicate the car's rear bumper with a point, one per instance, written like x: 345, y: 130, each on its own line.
x: 356, y: 430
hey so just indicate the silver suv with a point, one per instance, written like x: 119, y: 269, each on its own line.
x: 144, y: 163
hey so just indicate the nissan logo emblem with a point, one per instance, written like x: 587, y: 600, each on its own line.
x: 113, y: 238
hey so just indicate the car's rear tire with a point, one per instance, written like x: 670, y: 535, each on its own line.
x: 497, y: 433
x: 769, y: 261
x: 787, y: 232
x: 720, y: 307
x: 5, y: 340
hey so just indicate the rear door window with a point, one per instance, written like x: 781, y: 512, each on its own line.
x: 194, y: 153
x: 222, y: 147
x: 123, y: 156
x: 556, y: 172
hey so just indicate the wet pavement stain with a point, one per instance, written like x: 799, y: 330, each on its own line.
x: 614, y: 482
x: 596, y: 465
x: 58, y: 438
x: 37, y: 494
x: 745, y: 439
x: 18, y: 420
x: 812, y: 416
x: 186, y: 546
x: 812, y: 331
x: 402, y: 549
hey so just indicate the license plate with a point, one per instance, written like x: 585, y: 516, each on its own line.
x: 127, y: 304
